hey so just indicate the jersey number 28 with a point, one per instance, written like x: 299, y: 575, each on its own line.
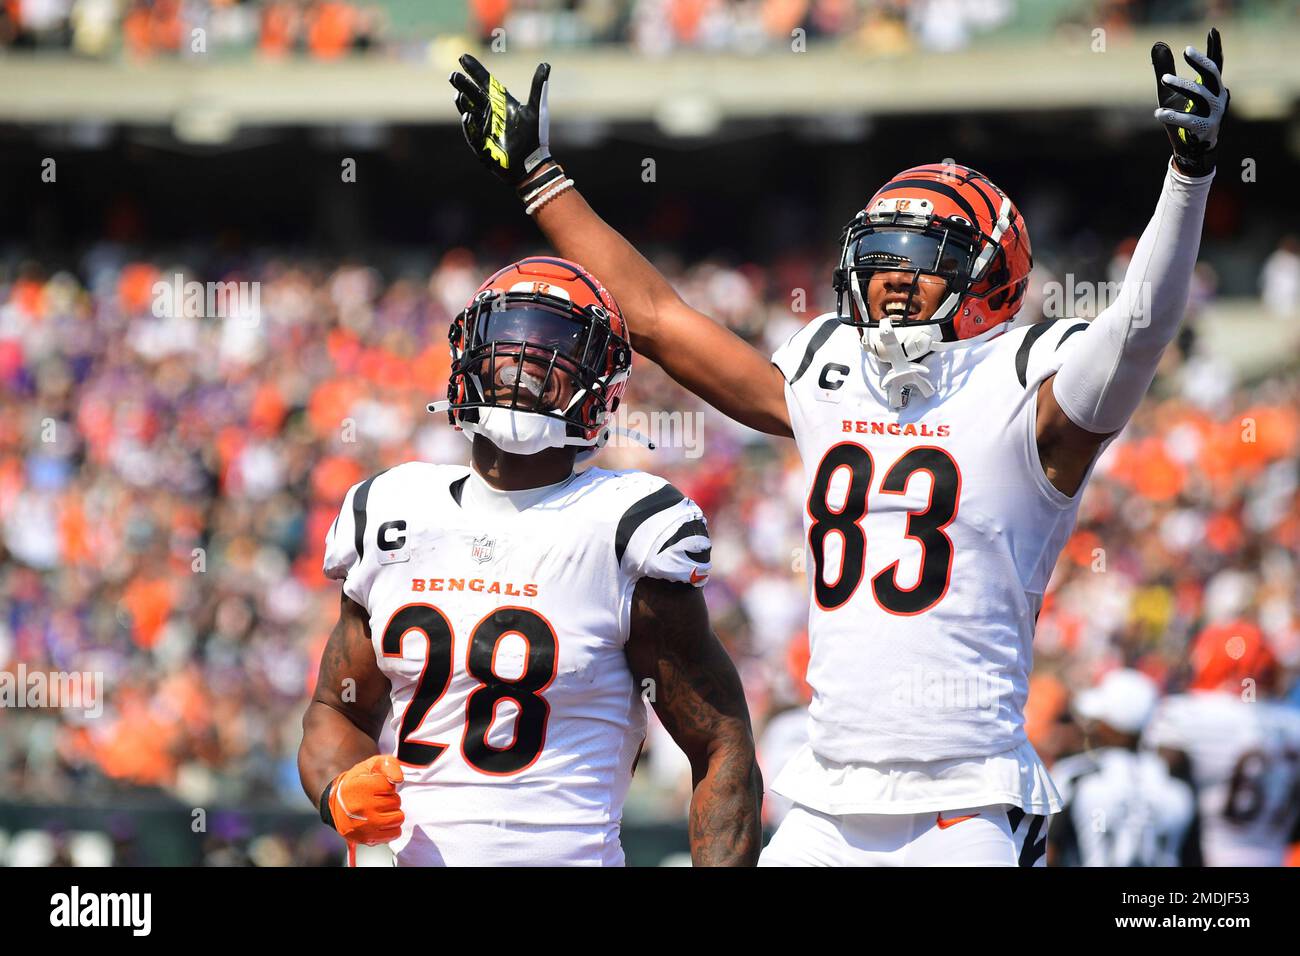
x: 481, y: 707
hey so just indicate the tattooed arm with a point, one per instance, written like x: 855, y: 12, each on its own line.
x: 343, y: 720
x: 698, y: 698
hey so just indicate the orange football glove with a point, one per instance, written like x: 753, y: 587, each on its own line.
x: 363, y: 803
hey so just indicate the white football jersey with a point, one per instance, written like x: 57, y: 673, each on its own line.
x: 500, y: 620
x: 1245, y: 766
x: 1121, y: 809
x: 932, y: 532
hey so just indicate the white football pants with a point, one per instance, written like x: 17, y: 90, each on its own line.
x: 995, y: 835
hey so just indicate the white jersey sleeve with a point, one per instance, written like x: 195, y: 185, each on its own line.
x: 664, y: 535
x: 345, y: 544
x: 796, y: 355
x: 1044, y: 348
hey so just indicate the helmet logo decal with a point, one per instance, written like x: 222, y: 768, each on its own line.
x: 909, y: 205
x: 541, y: 287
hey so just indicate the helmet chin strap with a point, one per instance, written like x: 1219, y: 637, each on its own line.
x: 900, y: 352
x: 526, y: 433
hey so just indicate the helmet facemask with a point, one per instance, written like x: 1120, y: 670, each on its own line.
x: 531, y: 354
x: 931, y: 249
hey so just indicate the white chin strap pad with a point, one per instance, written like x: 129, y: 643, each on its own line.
x: 901, y: 351
x: 521, y: 433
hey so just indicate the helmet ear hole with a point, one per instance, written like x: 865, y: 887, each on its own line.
x: 999, y: 274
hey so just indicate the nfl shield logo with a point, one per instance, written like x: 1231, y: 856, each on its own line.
x: 482, y: 548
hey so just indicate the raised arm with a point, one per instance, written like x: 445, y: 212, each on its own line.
x: 1109, y: 366
x: 511, y: 139
x: 338, y: 760
x: 699, y: 700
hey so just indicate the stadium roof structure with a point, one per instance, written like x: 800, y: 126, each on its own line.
x: 686, y: 94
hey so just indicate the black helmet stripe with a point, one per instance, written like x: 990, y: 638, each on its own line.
x: 942, y: 188
x: 577, y: 273
x: 947, y: 169
x: 975, y: 176
x: 1015, y: 229
x: 970, y: 176
x: 993, y: 211
x: 993, y: 216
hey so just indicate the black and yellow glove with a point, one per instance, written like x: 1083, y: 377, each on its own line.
x: 510, y: 138
x: 1192, y: 111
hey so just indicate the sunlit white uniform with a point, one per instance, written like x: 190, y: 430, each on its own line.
x: 500, y: 620
x: 1245, y: 767
x: 1121, y: 809
x: 995, y: 835
x: 932, y: 533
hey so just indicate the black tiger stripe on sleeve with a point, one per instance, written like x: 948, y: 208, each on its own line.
x: 689, y: 530
x: 1035, y: 333
x: 637, y: 514
x: 359, y: 502
x: 1077, y: 327
x: 815, y: 342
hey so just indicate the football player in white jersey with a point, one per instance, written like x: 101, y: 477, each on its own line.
x: 503, y: 625
x: 1240, y: 749
x: 1121, y: 806
x: 945, y: 452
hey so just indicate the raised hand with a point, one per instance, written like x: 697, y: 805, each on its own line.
x: 1192, y: 110
x: 510, y: 138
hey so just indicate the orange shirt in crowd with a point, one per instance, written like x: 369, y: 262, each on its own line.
x: 330, y: 28
x: 1046, y: 702
x: 148, y: 599
x: 135, y: 287
x: 490, y: 14
x: 279, y: 25
x: 137, y: 745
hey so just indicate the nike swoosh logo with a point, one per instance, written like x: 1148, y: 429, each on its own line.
x: 952, y: 821
x: 696, y: 577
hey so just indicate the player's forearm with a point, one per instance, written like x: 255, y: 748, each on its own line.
x: 699, y: 354
x: 331, y: 744
x: 579, y: 234
x: 1109, y: 369
x: 725, y: 817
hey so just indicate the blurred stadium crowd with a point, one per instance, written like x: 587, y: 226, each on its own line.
x: 167, y: 481
x: 326, y: 29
